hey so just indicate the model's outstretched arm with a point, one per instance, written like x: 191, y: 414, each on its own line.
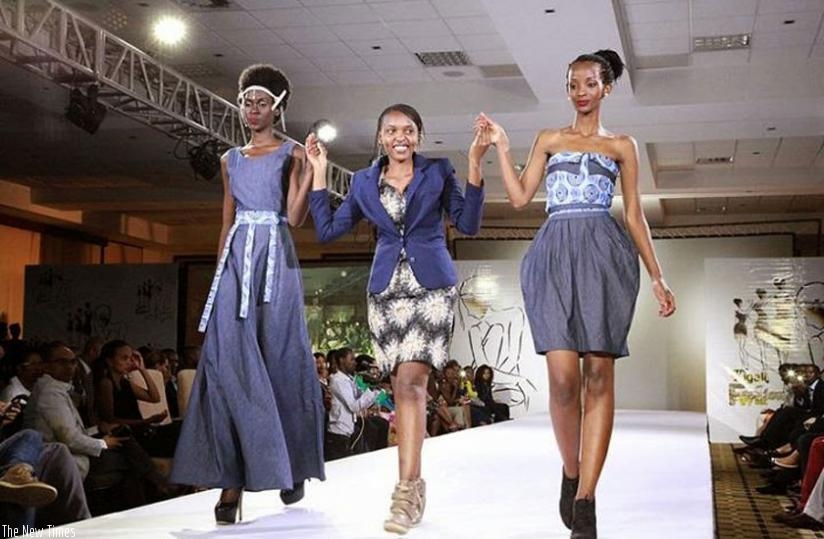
x: 519, y: 189
x: 637, y: 224
x: 328, y: 226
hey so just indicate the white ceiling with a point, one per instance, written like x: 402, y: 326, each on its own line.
x: 763, y: 106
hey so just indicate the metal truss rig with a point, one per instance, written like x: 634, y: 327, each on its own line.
x: 49, y: 39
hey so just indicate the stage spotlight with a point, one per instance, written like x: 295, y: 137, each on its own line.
x: 204, y: 160
x: 84, y: 111
x: 169, y: 30
x: 325, y: 131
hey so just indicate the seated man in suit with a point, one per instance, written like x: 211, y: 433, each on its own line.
x: 809, y: 403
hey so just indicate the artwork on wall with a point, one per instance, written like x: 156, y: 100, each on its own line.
x: 135, y: 302
x: 491, y: 329
x: 765, y: 326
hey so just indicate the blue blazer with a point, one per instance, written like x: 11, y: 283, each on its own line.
x: 433, y: 191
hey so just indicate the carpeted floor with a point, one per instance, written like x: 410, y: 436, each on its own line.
x: 741, y: 512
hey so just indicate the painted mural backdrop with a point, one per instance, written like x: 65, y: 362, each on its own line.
x: 491, y: 329
x: 762, y: 313
x: 135, y: 302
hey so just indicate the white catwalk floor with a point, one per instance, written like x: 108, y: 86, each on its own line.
x: 499, y: 481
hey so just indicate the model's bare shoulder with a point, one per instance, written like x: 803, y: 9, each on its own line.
x: 624, y: 145
x: 549, y: 138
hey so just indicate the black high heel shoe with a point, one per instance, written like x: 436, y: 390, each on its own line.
x: 229, y: 512
x: 292, y: 495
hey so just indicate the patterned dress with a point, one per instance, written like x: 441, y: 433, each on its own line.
x: 409, y: 322
x: 580, y: 275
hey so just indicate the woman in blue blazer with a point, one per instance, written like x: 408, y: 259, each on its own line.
x: 412, y: 283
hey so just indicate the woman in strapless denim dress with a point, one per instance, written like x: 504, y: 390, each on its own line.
x: 580, y: 275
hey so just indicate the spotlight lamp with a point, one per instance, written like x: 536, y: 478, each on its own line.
x: 205, y: 160
x: 85, y: 111
x: 325, y: 131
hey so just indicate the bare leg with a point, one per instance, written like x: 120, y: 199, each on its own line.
x: 409, y: 386
x: 599, y: 413
x: 565, y: 405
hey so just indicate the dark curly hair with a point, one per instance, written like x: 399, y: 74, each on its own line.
x: 479, y: 375
x: 110, y: 349
x: 269, y: 77
x: 612, y: 67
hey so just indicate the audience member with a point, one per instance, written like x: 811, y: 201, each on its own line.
x: 118, y: 394
x: 457, y: 405
x: 191, y: 356
x: 160, y: 362
x: 51, y: 411
x: 347, y: 402
x: 29, y: 367
x: 85, y: 378
x: 498, y: 411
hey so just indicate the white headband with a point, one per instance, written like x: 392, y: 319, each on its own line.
x: 277, y: 98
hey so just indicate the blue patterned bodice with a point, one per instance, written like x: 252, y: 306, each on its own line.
x: 583, y: 180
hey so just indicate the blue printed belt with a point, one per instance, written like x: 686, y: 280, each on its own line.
x: 567, y: 211
x: 251, y: 218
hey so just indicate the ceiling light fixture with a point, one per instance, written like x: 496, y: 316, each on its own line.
x: 169, y: 30
x: 721, y: 43
x: 720, y: 160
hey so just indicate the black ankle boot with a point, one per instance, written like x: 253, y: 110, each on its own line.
x: 292, y: 495
x: 569, y: 487
x: 583, y: 520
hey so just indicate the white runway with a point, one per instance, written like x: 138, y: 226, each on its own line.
x: 499, y: 481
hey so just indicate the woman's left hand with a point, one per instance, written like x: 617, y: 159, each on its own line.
x: 665, y: 297
x: 481, y: 142
x: 137, y: 361
x: 315, y: 152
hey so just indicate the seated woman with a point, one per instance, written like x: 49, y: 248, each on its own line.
x: 477, y: 408
x: 117, y: 395
x: 438, y: 419
x: 457, y: 404
x: 483, y: 385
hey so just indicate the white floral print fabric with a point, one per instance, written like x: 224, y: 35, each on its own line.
x: 407, y: 321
